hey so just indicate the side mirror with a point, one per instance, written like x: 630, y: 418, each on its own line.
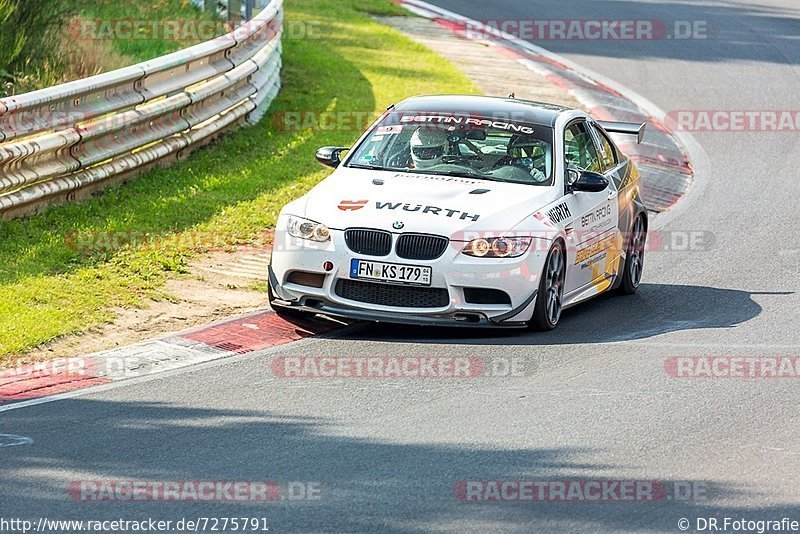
x: 330, y: 156
x: 589, y: 181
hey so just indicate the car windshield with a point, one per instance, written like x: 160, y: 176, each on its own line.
x: 459, y: 145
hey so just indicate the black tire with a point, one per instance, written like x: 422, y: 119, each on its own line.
x: 634, y: 258
x: 549, y: 300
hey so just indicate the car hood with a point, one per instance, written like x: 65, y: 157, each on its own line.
x: 441, y: 205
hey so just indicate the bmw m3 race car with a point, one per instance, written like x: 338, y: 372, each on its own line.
x: 465, y: 210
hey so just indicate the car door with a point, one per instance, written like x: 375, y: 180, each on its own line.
x: 624, y: 175
x: 592, y: 232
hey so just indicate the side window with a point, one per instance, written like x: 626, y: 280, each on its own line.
x: 608, y: 156
x: 580, y: 148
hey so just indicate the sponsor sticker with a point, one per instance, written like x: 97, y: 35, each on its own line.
x: 594, y: 249
x: 352, y: 205
x: 559, y: 213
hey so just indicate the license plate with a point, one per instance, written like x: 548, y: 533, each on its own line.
x: 390, y: 272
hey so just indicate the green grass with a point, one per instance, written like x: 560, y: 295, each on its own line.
x: 29, y: 31
x: 235, y: 188
x: 144, y: 47
x: 82, y: 35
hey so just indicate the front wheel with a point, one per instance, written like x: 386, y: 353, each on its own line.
x: 549, y: 300
x: 634, y: 262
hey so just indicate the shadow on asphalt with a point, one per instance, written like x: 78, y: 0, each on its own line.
x: 655, y: 309
x: 367, y: 485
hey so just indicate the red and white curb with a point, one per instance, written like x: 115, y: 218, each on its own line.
x: 667, y: 174
x: 31, y: 382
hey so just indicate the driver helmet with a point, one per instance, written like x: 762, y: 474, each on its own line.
x: 428, y: 147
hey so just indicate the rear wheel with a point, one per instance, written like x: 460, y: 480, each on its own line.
x: 634, y: 261
x: 549, y: 300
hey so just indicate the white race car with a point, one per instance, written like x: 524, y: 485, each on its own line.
x: 464, y: 210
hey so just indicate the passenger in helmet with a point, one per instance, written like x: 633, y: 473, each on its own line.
x: 527, y: 153
x: 428, y: 147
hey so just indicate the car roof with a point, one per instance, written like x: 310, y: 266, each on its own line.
x: 539, y: 113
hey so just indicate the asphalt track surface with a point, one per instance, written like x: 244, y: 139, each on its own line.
x: 594, y: 402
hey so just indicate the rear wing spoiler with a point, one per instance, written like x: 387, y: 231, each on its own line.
x: 629, y: 128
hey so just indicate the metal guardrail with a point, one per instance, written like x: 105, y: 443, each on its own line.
x: 64, y: 142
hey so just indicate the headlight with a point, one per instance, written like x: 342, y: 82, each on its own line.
x: 497, y: 247
x: 305, y: 229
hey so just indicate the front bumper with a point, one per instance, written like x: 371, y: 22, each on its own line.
x: 470, y: 319
x: 517, y: 277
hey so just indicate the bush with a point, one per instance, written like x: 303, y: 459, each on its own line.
x: 29, y: 31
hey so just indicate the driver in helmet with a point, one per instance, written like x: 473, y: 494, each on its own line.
x: 428, y: 147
